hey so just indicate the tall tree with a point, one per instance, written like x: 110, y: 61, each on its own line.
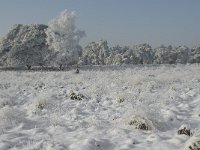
x: 63, y: 38
x: 25, y: 45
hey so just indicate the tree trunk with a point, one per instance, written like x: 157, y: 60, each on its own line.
x: 61, y: 67
x: 28, y: 67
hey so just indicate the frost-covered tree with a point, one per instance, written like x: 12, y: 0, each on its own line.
x: 24, y: 45
x: 143, y: 54
x: 194, y: 55
x: 129, y: 57
x: 164, y: 55
x: 181, y: 54
x: 90, y: 54
x: 110, y: 60
x: 96, y: 53
x: 63, y: 38
x: 118, y: 49
x: 118, y: 59
x: 170, y: 55
x: 119, y: 55
x: 103, y: 52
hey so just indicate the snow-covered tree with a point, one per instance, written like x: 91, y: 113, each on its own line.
x: 103, y: 52
x: 129, y: 57
x: 118, y: 49
x: 164, y: 55
x: 181, y: 54
x: 118, y: 59
x: 110, y: 60
x: 143, y: 54
x: 170, y: 55
x: 63, y: 38
x: 194, y: 55
x: 96, y: 53
x: 24, y: 45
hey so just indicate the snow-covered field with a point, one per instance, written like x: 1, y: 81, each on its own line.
x: 100, y: 110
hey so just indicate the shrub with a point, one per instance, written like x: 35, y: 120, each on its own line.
x: 193, y: 143
x: 185, y: 131
x: 74, y: 96
x: 120, y: 100
x: 140, y: 123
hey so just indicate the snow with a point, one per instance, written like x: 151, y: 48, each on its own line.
x: 36, y: 111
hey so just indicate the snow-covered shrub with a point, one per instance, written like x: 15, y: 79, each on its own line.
x: 41, y: 104
x: 137, y: 119
x: 120, y: 99
x: 63, y: 38
x: 184, y: 130
x: 144, y: 113
x: 140, y: 123
x: 74, y: 96
x: 193, y: 143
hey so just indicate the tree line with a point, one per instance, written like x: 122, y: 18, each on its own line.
x: 58, y: 45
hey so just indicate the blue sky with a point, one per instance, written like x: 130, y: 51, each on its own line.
x: 123, y: 22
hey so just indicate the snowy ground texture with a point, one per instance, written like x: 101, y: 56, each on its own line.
x: 99, y: 110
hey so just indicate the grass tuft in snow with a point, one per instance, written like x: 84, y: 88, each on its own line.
x: 140, y: 123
